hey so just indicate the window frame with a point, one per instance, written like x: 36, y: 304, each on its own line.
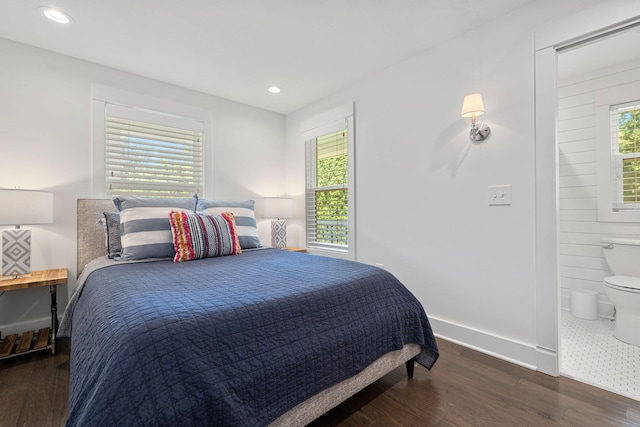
x: 605, y: 101
x: 346, y: 121
x: 141, y: 104
x: 617, y: 158
x: 127, y: 154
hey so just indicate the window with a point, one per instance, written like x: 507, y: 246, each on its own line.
x: 329, y: 188
x: 148, y: 146
x: 617, y: 132
x: 145, y: 158
x: 625, y: 156
x: 327, y: 191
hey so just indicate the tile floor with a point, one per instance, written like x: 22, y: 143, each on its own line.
x: 591, y: 354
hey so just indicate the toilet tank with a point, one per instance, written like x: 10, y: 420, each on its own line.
x: 622, y: 255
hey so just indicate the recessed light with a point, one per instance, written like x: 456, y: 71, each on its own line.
x: 56, y: 15
x: 274, y: 89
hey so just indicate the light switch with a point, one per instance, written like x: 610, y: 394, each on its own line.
x: 499, y: 195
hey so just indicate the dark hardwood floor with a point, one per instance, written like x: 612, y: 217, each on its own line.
x: 465, y: 388
x: 34, y: 388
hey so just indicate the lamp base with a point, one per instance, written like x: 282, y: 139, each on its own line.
x: 279, y: 233
x: 16, y: 252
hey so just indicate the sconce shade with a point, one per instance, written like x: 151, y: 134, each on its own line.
x: 277, y: 207
x: 472, y: 104
x: 25, y: 207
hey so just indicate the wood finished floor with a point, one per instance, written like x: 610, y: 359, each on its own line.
x: 465, y: 388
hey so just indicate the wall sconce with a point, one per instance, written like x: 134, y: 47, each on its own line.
x: 21, y: 207
x: 472, y: 106
x: 278, y: 207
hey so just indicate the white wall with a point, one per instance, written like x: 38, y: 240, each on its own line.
x: 421, y: 185
x: 45, y: 143
x: 582, y: 263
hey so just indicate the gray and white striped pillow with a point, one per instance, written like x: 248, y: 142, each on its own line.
x: 244, y: 215
x: 146, y: 232
x: 144, y: 225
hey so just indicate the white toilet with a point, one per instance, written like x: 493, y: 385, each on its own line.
x: 623, y: 289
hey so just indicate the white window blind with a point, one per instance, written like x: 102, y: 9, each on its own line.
x: 625, y: 156
x: 327, y: 193
x: 152, y: 154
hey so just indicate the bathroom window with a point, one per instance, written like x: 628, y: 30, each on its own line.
x: 625, y: 156
x: 617, y: 129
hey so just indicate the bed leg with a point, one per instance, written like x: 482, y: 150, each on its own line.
x: 410, y: 364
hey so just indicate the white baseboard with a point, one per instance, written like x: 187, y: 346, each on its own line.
x: 547, y: 361
x: 525, y: 355
x: 30, y: 325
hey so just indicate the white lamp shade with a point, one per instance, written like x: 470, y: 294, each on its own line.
x: 472, y: 104
x: 277, y: 207
x: 26, y: 207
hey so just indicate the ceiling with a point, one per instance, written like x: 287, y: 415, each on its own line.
x: 236, y: 49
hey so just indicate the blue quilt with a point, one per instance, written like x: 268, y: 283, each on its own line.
x: 230, y: 341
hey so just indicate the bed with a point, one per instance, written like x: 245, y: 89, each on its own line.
x: 267, y: 337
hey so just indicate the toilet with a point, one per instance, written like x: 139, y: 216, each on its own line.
x: 623, y: 289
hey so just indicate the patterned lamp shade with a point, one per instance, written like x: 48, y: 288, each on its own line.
x: 19, y: 207
x: 278, y: 207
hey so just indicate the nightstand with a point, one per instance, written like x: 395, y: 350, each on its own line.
x: 292, y: 249
x: 45, y: 338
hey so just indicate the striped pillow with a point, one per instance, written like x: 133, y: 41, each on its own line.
x: 146, y: 233
x: 198, y: 236
x: 244, y: 215
x: 144, y: 224
x: 128, y: 202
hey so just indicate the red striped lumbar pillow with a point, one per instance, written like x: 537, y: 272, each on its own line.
x: 198, y: 236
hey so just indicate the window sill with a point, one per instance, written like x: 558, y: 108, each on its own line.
x: 605, y: 215
x: 333, y: 253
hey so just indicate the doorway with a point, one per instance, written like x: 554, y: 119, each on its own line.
x: 588, y: 72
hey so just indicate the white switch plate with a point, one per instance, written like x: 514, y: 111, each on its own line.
x: 499, y: 195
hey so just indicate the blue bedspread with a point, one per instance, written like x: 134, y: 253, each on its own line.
x: 233, y: 341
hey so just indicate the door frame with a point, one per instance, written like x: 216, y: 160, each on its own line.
x: 585, y: 25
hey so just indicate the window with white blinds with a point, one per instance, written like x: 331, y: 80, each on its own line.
x: 329, y: 188
x: 152, y: 154
x: 327, y: 191
x: 625, y: 156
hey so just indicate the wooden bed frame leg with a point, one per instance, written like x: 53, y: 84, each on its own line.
x: 410, y: 365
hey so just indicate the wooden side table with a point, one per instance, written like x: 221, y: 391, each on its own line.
x: 292, y: 249
x: 45, y: 338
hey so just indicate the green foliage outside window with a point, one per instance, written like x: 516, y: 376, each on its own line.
x: 331, y: 216
x: 629, y: 143
x: 332, y: 203
x: 332, y: 171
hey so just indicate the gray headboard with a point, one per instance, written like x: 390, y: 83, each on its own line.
x: 91, y: 231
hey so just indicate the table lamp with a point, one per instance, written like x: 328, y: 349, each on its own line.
x: 21, y: 207
x: 280, y: 208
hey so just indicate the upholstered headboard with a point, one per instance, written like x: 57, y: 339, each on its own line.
x: 91, y: 231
